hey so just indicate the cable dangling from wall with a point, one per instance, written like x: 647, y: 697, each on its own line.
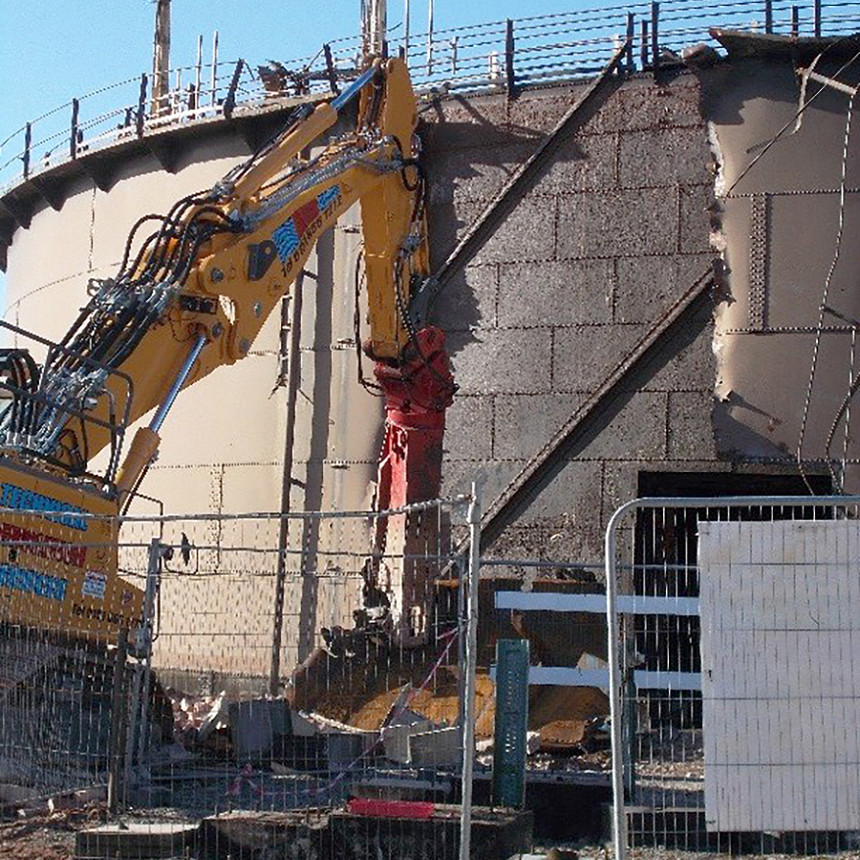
x: 822, y: 309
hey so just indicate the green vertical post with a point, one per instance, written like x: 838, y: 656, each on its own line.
x: 512, y: 714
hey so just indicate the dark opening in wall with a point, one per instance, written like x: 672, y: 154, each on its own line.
x: 665, y: 565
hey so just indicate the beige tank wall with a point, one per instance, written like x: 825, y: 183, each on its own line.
x: 223, y: 442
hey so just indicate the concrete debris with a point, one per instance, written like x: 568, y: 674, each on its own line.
x: 195, y: 717
x: 306, y: 834
x: 396, y: 739
x: 257, y: 727
x: 216, y: 718
x: 152, y: 840
x: 436, y: 748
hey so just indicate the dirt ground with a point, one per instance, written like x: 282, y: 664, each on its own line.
x: 49, y: 836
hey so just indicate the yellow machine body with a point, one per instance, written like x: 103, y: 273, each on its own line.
x: 58, y: 559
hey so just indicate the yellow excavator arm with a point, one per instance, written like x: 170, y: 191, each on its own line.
x: 193, y: 296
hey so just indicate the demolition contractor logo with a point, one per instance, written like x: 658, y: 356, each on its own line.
x: 294, y: 236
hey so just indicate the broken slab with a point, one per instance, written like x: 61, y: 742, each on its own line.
x: 136, y: 840
x: 300, y: 835
x: 437, y: 748
x: 313, y: 833
x: 495, y: 834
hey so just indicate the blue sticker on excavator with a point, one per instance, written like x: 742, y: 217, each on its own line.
x: 32, y: 582
x: 288, y: 236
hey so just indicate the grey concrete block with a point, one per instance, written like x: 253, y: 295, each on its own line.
x: 584, y: 357
x: 648, y: 286
x: 564, y: 292
x: 637, y: 431
x: 618, y: 223
x: 469, y: 428
x: 568, y: 500
x: 454, y: 122
x: 476, y: 172
x: 446, y: 225
x: 690, y: 427
x: 582, y: 163
x: 528, y: 233
x: 491, y: 476
x: 641, y: 104
x: 553, y: 541
x: 538, y: 111
x: 664, y: 156
x: 468, y: 300
x: 692, y: 369
x: 502, y: 361
x: 525, y: 423
x: 620, y: 484
x: 694, y: 226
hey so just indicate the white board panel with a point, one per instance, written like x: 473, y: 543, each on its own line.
x: 780, y: 612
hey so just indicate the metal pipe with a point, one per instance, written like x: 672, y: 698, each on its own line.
x: 406, y: 31
x: 73, y: 134
x: 293, y: 380
x: 354, y: 88
x: 161, y: 413
x: 214, y: 85
x: 429, y: 37
x: 198, y: 71
x: 470, y: 667
x: 795, y: 21
x: 619, y: 814
x: 816, y: 19
x: 828, y: 82
x: 655, y: 38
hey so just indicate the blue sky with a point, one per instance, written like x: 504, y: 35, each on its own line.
x: 56, y: 49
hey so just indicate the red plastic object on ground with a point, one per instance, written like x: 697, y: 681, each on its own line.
x: 418, y: 809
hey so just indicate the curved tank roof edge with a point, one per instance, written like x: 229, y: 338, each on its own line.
x: 18, y: 203
x: 252, y: 124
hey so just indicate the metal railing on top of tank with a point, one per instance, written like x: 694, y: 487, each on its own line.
x: 495, y: 56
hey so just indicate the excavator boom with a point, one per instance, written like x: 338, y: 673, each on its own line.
x: 194, y: 294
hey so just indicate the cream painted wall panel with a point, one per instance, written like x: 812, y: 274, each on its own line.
x: 227, y: 417
x: 780, y: 614
x: 143, y: 187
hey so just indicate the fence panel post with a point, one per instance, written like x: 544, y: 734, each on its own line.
x: 73, y: 133
x: 613, y: 656
x: 469, y: 670
x: 631, y: 34
x: 655, y: 39
x: 510, y: 78
x: 141, y: 104
x: 816, y: 19
x: 795, y: 21
x: 768, y: 16
x: 28, y: 135
x: 118, y: 722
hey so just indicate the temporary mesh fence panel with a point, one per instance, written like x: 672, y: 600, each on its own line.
x: 733, y: 627
x: 310, y: 668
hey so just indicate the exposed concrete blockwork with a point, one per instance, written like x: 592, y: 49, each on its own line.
x: 608, y: 237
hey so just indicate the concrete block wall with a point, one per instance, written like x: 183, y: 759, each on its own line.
x: 608, y: 237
